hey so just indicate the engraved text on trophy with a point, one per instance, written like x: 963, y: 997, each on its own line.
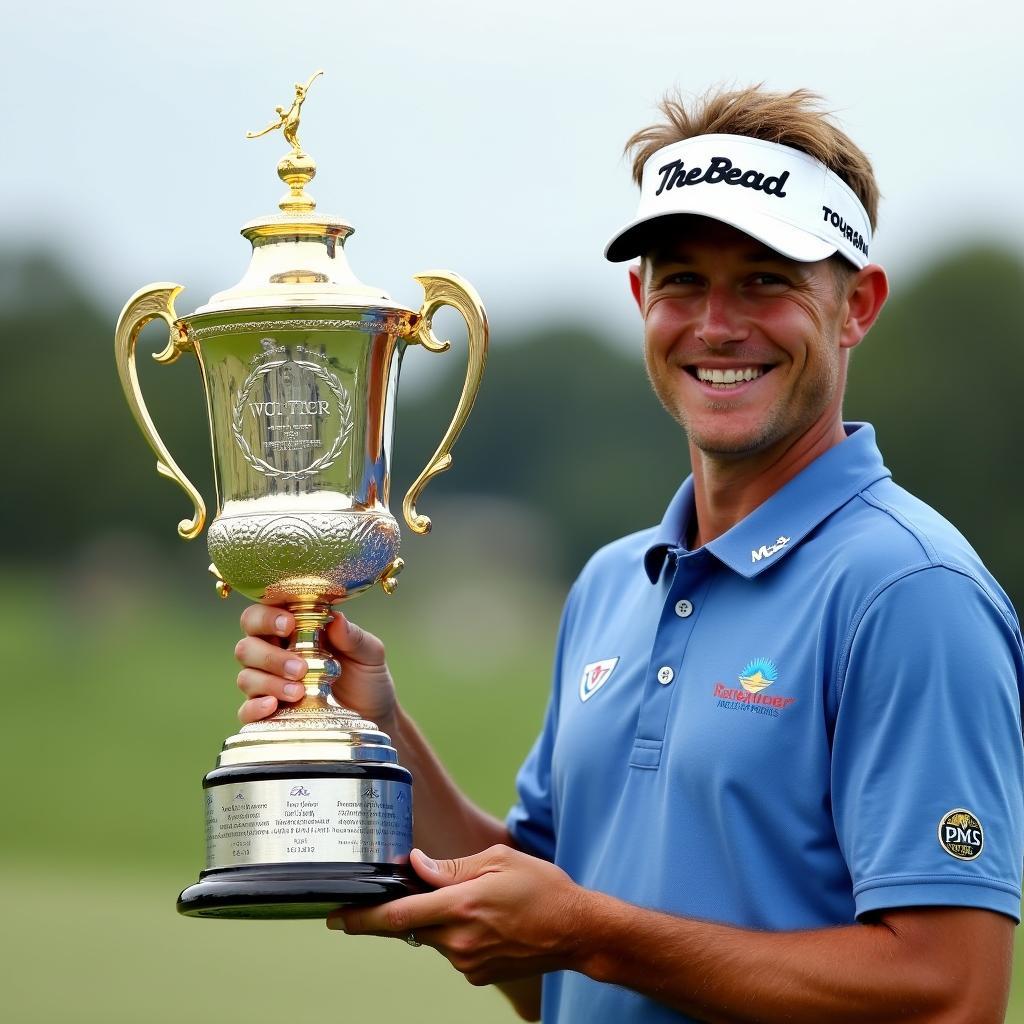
x: 291, y: 415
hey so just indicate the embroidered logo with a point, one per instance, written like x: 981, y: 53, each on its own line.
x: 720, y: 169
x: 961, y: 834
x: 595, y: 675
x: 767, y: 550
x: 758, y: 674
x: 848, y: 232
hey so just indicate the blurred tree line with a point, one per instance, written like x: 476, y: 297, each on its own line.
x: 565, y: 425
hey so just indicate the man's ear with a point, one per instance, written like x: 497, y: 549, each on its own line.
x: 865, y: 297
x: 637, y: 286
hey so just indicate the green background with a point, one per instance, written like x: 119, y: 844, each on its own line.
x: 104, y: 822
x: 119, y: 688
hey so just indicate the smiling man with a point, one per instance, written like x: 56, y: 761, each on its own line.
x: 780, y: 775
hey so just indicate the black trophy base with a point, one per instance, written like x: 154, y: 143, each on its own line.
x: 297, y: 890
x: 294, y: 891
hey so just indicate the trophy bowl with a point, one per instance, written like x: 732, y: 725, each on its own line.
x: 307, y: 810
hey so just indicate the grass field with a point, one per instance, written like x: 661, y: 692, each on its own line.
x: 106, y: 947
x: 116, y: 701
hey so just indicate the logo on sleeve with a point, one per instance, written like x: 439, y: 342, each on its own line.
x: 595, y: 675
x: 961, y: 834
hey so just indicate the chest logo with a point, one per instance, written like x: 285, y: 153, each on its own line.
x: 767, y: 550
x: 961, y: 834
x: 758, y: 674
x: 595, y: 675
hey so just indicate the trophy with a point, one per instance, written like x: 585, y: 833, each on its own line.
x: 309, y: 809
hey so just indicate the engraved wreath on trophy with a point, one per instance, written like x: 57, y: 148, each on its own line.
x: 325, y: 377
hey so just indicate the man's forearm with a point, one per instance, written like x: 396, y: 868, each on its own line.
x: 446, y: 822
x: 890, y: 970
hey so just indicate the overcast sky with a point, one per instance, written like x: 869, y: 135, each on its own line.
x: 480, y: 137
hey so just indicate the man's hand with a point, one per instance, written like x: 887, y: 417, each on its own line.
x: 497, y: 916
x: 270, y: 674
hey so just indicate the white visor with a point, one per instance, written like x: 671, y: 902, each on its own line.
x: 782, y: 197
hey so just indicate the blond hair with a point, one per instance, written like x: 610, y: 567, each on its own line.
x: 790, y: 119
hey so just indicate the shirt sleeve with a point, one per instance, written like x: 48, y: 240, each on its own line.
x: 531, y: 821
x: 927, y: 746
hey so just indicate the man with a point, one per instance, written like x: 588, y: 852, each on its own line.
x: 780, y: 777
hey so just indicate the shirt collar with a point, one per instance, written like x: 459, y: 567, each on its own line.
x: 778, y: 525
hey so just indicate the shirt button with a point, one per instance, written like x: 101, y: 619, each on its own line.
x: 665, y: 675
x: 684, y: 608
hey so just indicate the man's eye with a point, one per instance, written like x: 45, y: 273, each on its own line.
x: 680, y: 277
x: 769, y: 279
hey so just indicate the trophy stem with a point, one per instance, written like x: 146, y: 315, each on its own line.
x: 311, y: 619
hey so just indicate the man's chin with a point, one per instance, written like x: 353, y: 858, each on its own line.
x: 730, y: 445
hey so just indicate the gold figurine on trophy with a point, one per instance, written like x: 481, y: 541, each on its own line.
x: 297, y: 168
x: 307, y: 810
x: 289, y: 122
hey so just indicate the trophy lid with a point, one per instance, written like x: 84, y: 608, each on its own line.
x: 298, y: 257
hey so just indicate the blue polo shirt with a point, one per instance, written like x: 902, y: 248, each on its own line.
x: 815, y: 716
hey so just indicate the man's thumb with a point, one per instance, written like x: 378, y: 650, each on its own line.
x: 439, y: 873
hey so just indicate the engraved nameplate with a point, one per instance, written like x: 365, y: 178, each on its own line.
x: 291, y: 416
x: 282, y: 821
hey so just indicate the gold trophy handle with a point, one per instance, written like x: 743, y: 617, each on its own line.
x: 443, y: 288
x: 155, y: 300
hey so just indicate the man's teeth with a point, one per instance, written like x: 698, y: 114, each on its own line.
x: 728, y: 378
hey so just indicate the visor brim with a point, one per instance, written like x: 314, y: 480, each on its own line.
x: 633, y: 239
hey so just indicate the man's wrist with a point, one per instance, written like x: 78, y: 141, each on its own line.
x: 590, y: 952
x: 392, y: 725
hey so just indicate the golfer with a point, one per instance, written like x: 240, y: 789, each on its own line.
x: 780, y: 774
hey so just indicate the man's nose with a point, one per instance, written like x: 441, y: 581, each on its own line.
x: 720, y: 321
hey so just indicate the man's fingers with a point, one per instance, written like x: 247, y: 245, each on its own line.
x: 354, y: 642
x: 256, y: 709
x: 254, y: 652
x: 254, y: 683
x: 266, y: 620
x: 260, y: 621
